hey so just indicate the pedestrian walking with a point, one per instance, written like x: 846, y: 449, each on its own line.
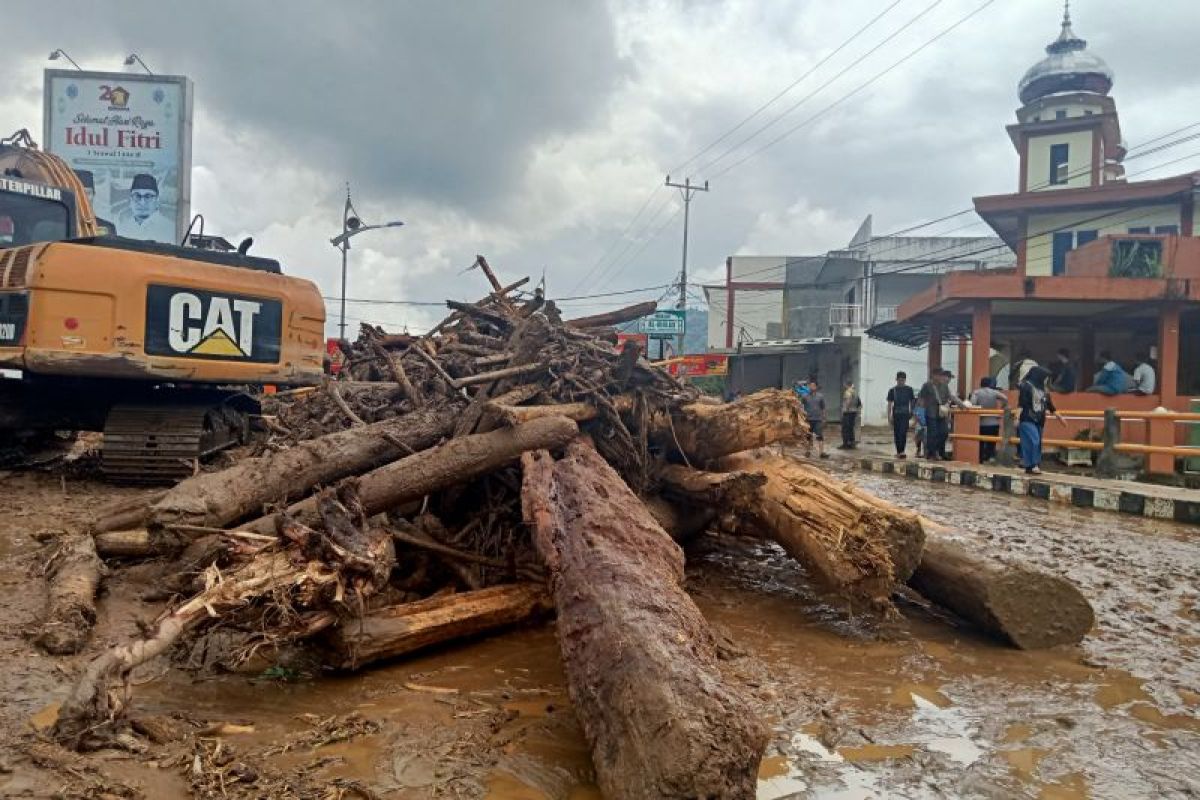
x: 1034, y: 401
x: 851, y: 406
x: 988, y: 396
x: 814, y: 410
x: 900, y: 401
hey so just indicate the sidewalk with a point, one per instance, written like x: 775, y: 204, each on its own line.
x: 1129, y: 497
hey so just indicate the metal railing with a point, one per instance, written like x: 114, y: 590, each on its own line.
x: 845, y: 315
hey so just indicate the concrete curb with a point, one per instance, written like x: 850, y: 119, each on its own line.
x: 1058, y: 490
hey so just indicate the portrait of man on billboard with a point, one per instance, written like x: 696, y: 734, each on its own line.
x: 143, y: 219
x: 89, y: 188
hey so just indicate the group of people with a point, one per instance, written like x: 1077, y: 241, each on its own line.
x: 1110, y: 378
x: 926, y: 412
x: 931, y: 409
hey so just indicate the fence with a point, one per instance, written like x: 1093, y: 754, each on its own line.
x: 1108, y: 447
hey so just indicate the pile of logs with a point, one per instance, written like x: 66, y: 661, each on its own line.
x: 504, y: 466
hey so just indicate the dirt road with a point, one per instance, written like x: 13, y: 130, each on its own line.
x: 909, y: 708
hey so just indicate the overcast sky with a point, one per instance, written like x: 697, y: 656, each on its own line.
x: 533, y: 131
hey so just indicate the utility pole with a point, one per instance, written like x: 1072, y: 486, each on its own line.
x: 352, y: 225
x: 686, y: 190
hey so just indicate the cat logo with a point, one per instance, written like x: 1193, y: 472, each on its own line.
x: 8, y: 331
x: 193, y: 323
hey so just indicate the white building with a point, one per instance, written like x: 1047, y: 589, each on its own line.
x: 786, y: 318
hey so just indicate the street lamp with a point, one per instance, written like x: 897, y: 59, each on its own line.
x: 352, y: 225
x: 134, y: 58
x: 60, y: 53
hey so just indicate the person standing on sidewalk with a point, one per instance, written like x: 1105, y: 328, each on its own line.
x: 851, y: 405
x: 814, y: 410
x: 936, y: 398
x: 988, y: 396
x: 1034, y: 401
x: 900, y: 399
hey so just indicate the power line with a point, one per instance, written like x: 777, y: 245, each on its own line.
x: 911, y: 54
x: 863, y: 57
x: 1082, y: 171
x: 788, y: 88
x: 604, y: 255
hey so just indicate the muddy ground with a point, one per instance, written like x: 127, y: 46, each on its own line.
x: 913, y: 708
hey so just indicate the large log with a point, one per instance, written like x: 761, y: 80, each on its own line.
x: 401, y: 629
x: 703, y: 431
x: 1026, y: 607
x: 71, y: 608
x: 617, y: 317
x: 848, y: 545
x: 457, y: 461
x: 217, y: 499
x: 641, y: 661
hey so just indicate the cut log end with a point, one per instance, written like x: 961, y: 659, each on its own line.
x: 71, y: 605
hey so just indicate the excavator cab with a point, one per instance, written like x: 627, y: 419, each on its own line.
x: 31, y: 213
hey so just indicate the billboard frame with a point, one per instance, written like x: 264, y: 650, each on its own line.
x: 183, y: 210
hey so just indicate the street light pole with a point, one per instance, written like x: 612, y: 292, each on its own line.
x: 352, y: 225
x: 60, y: 53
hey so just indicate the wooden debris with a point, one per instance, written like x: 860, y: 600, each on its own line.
x: 74, y: 576
x: 641, y: 661
x: 702, y: 432
x: 402, y: 629
x: 847, y: 545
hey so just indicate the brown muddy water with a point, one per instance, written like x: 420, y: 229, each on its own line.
x: 916, y: 707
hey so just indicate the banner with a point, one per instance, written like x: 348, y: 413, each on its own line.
x: 699, y: 365
x: 129, y: 139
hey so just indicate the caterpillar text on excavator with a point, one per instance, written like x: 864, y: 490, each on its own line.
x: 160, y: 346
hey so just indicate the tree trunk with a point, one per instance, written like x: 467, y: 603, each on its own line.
x: 400, y: 629
x: 124, y: 514
x: 1028, y: 608
x: 620, y: 315
x: 217, y: 499
x: 703, y: 431
x: 71, y: 606
x: 640, y: 659
x: 580, y: 411
x: 848, y: 545
x: 457, y: 461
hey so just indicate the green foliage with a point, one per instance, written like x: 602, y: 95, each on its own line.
x: 1136, y: 258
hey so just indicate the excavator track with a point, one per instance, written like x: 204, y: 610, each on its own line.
x: 163, y: 443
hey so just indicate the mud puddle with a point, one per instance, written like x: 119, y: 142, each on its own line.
x: 910, y: 708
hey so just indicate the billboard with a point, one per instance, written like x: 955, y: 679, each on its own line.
x: 129, y: 139
x: 664, y: 324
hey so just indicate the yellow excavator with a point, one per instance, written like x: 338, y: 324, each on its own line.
x: 161, y: 347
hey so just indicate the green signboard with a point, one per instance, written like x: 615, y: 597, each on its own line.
x: 664, y: 324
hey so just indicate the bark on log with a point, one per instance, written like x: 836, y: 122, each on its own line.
x: 71, y: 604
x: 640, y: 659
x: 401, y: 629
x: 124, y: 514
x: 704, y: 432
x: 218, y: 499
x: 134, y: 543
x: 454, y: 462
x: 1026, y: 607
x: 580, y: 411
x: 620, y: 315
x: 846, y: 544
x: 721, y: 491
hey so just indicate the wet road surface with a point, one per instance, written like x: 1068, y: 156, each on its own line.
x: 915, y: 707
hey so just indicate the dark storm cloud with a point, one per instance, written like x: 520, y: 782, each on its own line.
x: 445, y: 101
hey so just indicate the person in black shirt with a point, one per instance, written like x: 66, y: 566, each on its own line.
x: 900, y: 400
x: 1034, y: 402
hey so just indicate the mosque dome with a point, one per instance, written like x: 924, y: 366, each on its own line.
x: 1067, y: 67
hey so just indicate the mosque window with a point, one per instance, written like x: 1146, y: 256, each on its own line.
x: 1058, y: 163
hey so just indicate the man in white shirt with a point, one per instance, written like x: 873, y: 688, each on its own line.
x: 143, y: 220
x: 1143, y: 376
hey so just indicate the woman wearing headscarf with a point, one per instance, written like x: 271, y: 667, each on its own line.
x: 1034, y: 401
